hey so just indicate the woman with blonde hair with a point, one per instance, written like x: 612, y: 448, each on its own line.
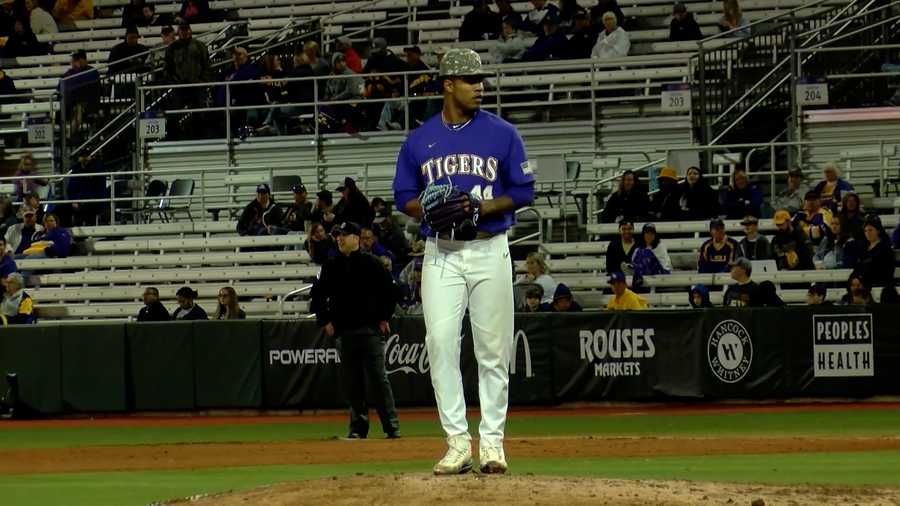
x: 538, y: 273
x: 733, y: 18
x: 228, y: 306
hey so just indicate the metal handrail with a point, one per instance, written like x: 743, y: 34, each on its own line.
x: 540, y: 232
x: 293, y: 293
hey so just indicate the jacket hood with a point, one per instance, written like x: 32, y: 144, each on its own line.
x: 562, y: 291
x: 704, y: 295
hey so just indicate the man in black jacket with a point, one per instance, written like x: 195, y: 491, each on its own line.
x: 354, y: 299
x: 122, y: 55
x: 153, y: 310
x: 354, y: 206
x: 683, y: 26
x: 260, y: 215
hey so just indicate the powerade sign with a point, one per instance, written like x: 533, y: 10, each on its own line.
x: 843, y: 345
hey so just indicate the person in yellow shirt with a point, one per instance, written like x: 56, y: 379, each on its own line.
x: 623, y: 298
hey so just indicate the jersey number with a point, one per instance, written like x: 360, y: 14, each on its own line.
x: 487, y: 194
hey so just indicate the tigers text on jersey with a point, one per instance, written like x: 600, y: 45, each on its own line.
x: 485, y: 157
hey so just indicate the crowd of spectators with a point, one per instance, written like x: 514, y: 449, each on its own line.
x: 186, y: 308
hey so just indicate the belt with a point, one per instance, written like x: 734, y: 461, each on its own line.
x: 478, y: 235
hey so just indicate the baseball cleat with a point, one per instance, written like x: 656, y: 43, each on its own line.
x: 492, y: 460
x: 458, y: 459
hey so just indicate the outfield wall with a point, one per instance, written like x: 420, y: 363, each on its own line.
x: 278, y: 364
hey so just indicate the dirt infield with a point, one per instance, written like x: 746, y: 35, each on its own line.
x: 526, y: 490
x: 335, y: 451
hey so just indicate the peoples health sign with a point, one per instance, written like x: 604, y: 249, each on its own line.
x: 843, y: 345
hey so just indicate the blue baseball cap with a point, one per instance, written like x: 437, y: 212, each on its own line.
x: 616, y: 277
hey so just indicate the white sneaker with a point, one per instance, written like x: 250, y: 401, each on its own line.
x: 492, y: 460
x: 458, y: 459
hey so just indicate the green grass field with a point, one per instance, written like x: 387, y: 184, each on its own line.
x: 142, y: 487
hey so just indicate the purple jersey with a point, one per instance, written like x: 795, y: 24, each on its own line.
x: 485, y: 157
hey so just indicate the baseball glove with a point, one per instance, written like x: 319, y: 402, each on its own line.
x: 450, y: 211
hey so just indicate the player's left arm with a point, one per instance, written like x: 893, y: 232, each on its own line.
x: 518, y: 180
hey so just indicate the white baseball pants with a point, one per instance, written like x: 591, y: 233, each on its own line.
x: 475, y: 274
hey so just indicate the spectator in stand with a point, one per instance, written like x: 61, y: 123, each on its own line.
x: 683, y: 26
x: 122, y: 55
x: 274, y: 90
x: 22, y: 42
x: 665, y: 204
x: 817, y: 295
x: 228, y: 308
x: 753, y: 245
x: 480, y: 23
x: 411, y: 288
x: 832, y: 188
x: 538, y: 273
x: 261, y: 216
x: 568, y: 9
x: 390, y: 234
x: 187, y: 62
x: 717, y: 253
x: 241, y: 69
x: 132, y: 13
x: 195, y: 11
x: 791, y: 198
x: 149, y: 17
x: 86, y: 188
x: 814, y: 220
x: 621, y: 249
x: 583, y: 38
x: 534, y: 19
x: 67, y: 12
x: 8, y: 16
x: 733, y: 19
x: 7, y: 89
x: 507, y: 12
x: 613, y: 41
x: 187, y: 310
x: 698, y: 296
x: 746, y: 292
x: 7, y: 263
x: 53, y: 242
x: 791, y: 248
x: 379, y: 205
x: 20, y: 236
x: 837, y: 250
x: 39, y: 19
x: 652, y: 258
x: 320, y: 245
x: 629, y: 202
x: 17, y: 305
x: 511, y: 45
x: 533, y: 297
x: 698, y: 201
x: 344, y: 45
x: 859, y: 293
x: 157, y: 59
x: 623, y: 299
x: 768, y: 295
x: 324, y: 211
x: 33, y: 200
x: 550, y: 45
x: 889, y: 296
x: 27, y: 166
x: 368, y: 243
x: 741, y: 198
x: 80, y: 86
x: 379, y: 86
x: 418, y: 83
x: 299, y: 212
x: 851, y: 216
x: 562, y: 302
x: 604, y: 6
x: 153, y: 310
x: 355, y: 206
x: 876, y: 257
x: 320, y: 65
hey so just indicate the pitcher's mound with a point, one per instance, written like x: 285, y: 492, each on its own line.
x: 526, y: 490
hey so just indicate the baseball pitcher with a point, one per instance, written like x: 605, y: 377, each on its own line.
x: 464, y: 173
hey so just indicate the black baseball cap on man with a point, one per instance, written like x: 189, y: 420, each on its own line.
x: 263, y: 188
x: 298, y: 188
x: 750, y: 220
x: 412, y: 49
x: 348, y: 228
x: 818, y: 289
x: 79, y: 54
x: 716, y: 223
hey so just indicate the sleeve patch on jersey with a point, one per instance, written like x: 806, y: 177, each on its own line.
x: 527, y: 167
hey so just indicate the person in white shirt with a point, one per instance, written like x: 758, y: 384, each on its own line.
x: 613, y: 41
x: 40, y: 20
x: 539, y: 274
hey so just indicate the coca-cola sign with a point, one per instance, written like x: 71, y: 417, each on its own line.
x: 409, y: 358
